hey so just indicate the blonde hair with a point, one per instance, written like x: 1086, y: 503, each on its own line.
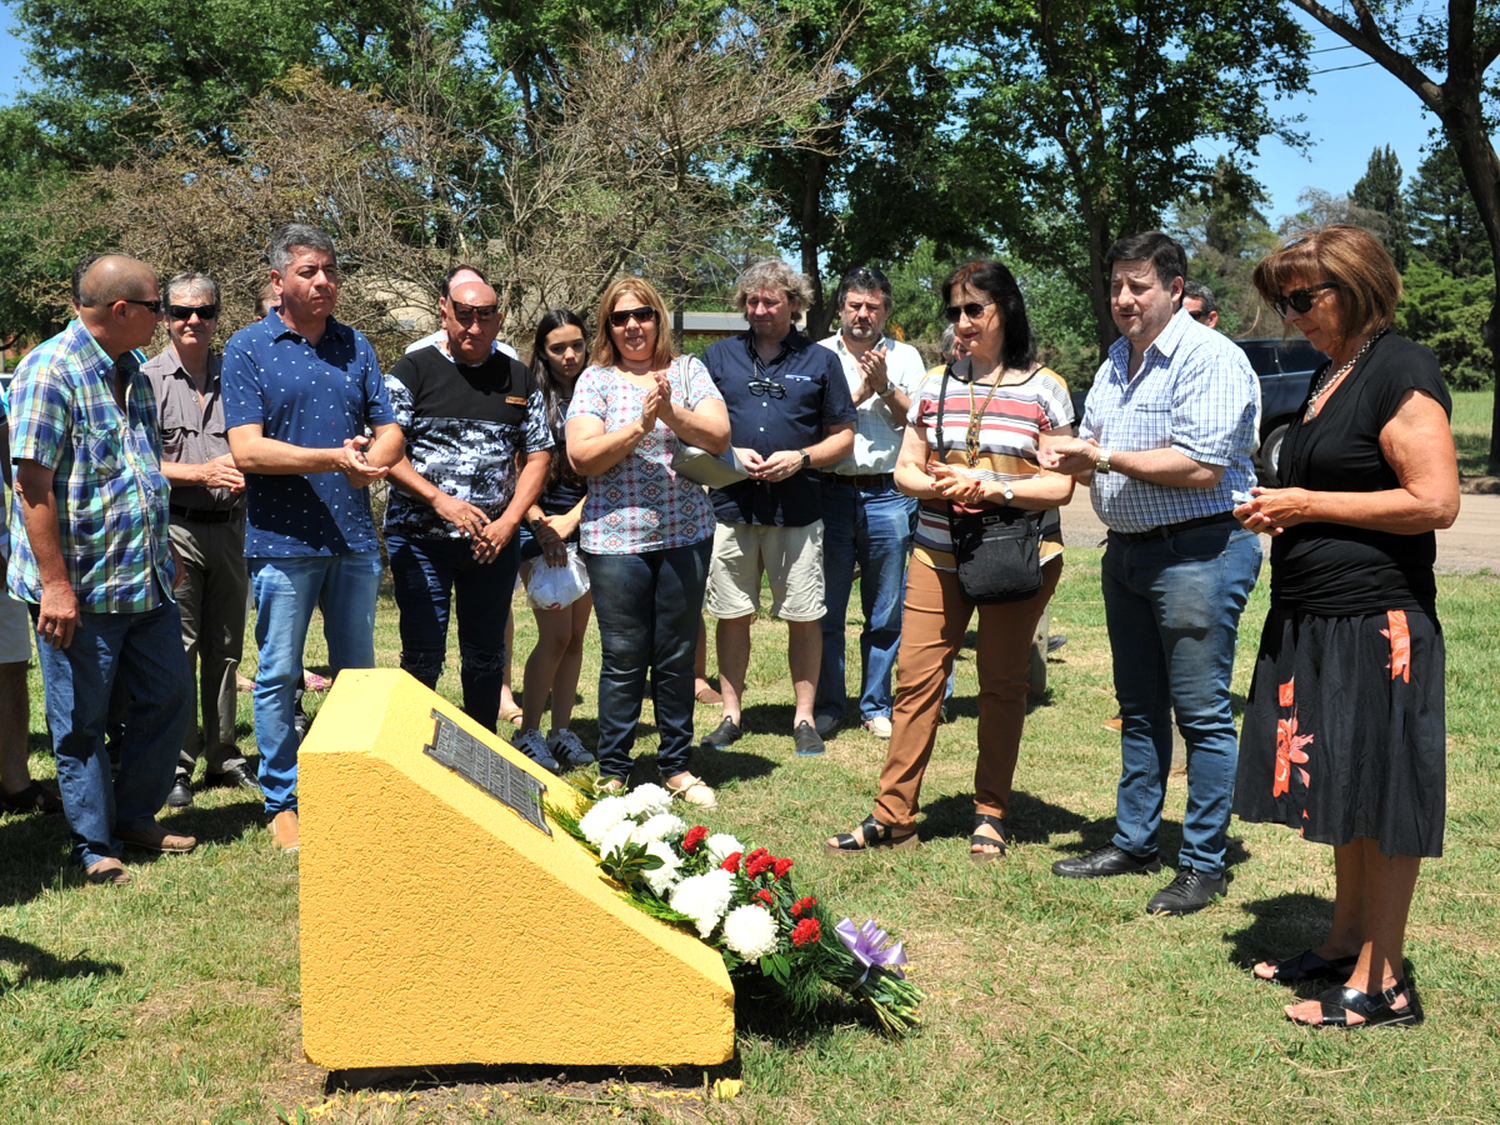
x: 1369, y: 284
x: 604, y: 353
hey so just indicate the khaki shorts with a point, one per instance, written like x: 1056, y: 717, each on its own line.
x: 15, y: 630
x: 791, y: 557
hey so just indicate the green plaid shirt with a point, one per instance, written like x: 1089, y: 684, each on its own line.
x: 111, y: 495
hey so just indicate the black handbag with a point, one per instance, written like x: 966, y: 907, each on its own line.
x: 999, y: 551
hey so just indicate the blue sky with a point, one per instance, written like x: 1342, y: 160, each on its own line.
x: 1350, y: 112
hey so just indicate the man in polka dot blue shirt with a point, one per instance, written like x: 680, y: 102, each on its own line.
x: 300, y: 391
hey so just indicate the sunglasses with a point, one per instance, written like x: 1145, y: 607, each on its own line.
x: 153, y: 307
x: 466, y: 314
x: 185, y: 312
x: 645, y: 315
x: 1300, y: 299
x: 1200, y: 316
x: 766, y: 387
x: 973, y: 310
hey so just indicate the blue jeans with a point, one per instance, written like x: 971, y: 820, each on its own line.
x: 871, y: 526
x: 1173, y: 609
x: 142, y: 652
x: 648, y: 607
x: 286, y: 593
x: 427, y: 575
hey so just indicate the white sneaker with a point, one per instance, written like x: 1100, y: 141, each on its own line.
x: 879, y: 726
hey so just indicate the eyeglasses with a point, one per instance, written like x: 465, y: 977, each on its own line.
x: 1200, y: 316
x: 1300, y: 299
x: 621, y: 317
x: 973, y: 310
x: 466, y: 314
x: 766, y: 387
x: 154, y: 307
x: 185, y: 312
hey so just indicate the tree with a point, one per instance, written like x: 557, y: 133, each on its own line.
x: 1447, y: 314
x: 1379, y: 190
x: 1086, y: 119
x: 1445, y: 223
x: 1412, y: 45
x: 1226, y: 234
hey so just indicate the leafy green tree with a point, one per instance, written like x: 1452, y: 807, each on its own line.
x: 1087, y: 119
x: 1379, y: 190
x: 1447, y: 314
x: 1445, y: 222
x: 1226, y: 234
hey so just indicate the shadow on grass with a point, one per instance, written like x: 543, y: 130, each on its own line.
x: 1280, y: 927
x: 542, y: 1078
x: 221, y: 825
x: 39, y: 965
x: 1031, y: 819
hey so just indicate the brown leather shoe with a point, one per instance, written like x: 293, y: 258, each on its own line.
x: 158, y: 839
x: 284, y: 830
x: 108, y: 872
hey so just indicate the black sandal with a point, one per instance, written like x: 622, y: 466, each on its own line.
x: 872, y: 834
x: 977, y: 840
x: 1338, y: 1002
x: 1309, y: 965
x: 32, y: 799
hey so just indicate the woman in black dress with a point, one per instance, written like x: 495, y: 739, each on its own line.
x: 1344, y: 734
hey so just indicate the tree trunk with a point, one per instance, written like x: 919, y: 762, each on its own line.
x: 1481, y: 168
x: 817, y: 315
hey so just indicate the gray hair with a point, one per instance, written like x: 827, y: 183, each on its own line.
x: 1203, y: 293
x: 193, y: 282
x: 297, y: 236
x: 945, y: 342
x: 775, y: 275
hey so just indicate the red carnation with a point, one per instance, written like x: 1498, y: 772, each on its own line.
x: 756, y: 865
x: 780, y: 867
x: 803, y: 904
x: 807, y: 931
x: 693, y: 838
x: 731, y: 863
x: 765, y: 896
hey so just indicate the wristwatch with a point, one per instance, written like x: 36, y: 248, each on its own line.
x: 1008, y: 492
x: 890, y: 389
x: 806, y: 459
x: 1102, y: 465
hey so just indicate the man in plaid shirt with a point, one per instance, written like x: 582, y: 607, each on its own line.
x: 1165, y: 445
x: 94, y: 564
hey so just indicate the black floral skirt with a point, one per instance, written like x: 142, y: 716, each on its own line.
x: 1344, y: 733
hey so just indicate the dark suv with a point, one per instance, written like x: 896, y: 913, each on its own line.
x: 1285, y: 368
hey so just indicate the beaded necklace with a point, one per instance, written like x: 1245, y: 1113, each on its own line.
x: 1331, y: 378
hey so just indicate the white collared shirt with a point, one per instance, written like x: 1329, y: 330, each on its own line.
x: 878, y: 427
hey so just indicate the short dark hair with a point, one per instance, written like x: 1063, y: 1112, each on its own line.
x: 1163, y: 252
x: 1017, y: 347
x: 297, y: 236
x: 447, y: 282
x: 1203, y: 293
x: 865, y: 279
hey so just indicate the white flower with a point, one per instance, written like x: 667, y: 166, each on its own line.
x: 750, y: 931
x: 616, y: 838
x: 601, y: 818
x: 721, y: 845
x: 662, y: 826
x: 648, y: 800
x: 704, y: 898
x: 664, y: 877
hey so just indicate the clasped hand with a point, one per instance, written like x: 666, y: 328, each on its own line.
x: 351, y: 462
x: 777, y: 467
x: 1270, y: 511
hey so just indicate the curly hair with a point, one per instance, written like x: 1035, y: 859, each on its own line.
x: 776, y: 276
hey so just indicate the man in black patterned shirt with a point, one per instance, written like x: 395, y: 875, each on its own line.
x: 470, y: 416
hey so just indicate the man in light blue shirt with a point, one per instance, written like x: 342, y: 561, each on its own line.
x: 1167, y: 434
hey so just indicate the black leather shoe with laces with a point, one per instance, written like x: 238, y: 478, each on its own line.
x: 1190, y: 891
x: 1108, y: 860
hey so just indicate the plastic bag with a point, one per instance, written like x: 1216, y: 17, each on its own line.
x: 554, y: 587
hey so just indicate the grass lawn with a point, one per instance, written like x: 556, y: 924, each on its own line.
x: 1471, y: 430
x: 175, y: 1000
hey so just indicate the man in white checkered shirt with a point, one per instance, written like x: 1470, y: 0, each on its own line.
x: 1166, y: 439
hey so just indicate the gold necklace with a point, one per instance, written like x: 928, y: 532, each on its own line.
x: 971, y: 440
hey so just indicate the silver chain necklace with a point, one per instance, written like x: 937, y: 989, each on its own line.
x: 1331, y: 377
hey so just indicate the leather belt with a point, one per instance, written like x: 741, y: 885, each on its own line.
x: 1167, y: 530
x: 865, y: 480
x: 205, y: 515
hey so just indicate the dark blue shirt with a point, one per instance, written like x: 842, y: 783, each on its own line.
x: 816, y: 399
x: 314, y: 396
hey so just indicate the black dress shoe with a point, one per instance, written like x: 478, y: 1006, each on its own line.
x: 235, y: 777
x: 726, y: 734
x: 1108, y: 860
x: 1190, y: 891
x: 181, y: 795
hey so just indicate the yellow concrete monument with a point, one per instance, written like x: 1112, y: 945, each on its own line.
x: 445, y: 920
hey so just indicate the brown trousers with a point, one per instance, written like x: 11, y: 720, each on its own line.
x: 936, y: 616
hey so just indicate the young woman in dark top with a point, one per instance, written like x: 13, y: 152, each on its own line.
x: 558, y: 354
x: 1344, y: 732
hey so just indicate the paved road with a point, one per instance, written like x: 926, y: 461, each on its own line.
x: 1470, y: 545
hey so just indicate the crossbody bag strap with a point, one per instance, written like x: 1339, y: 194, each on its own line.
x: 941, y: 447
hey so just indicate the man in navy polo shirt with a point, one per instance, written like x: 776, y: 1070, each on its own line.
x: 790, y: 414
x: 299, y: 391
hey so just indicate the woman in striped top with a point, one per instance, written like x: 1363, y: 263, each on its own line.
x: 994, y: 406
